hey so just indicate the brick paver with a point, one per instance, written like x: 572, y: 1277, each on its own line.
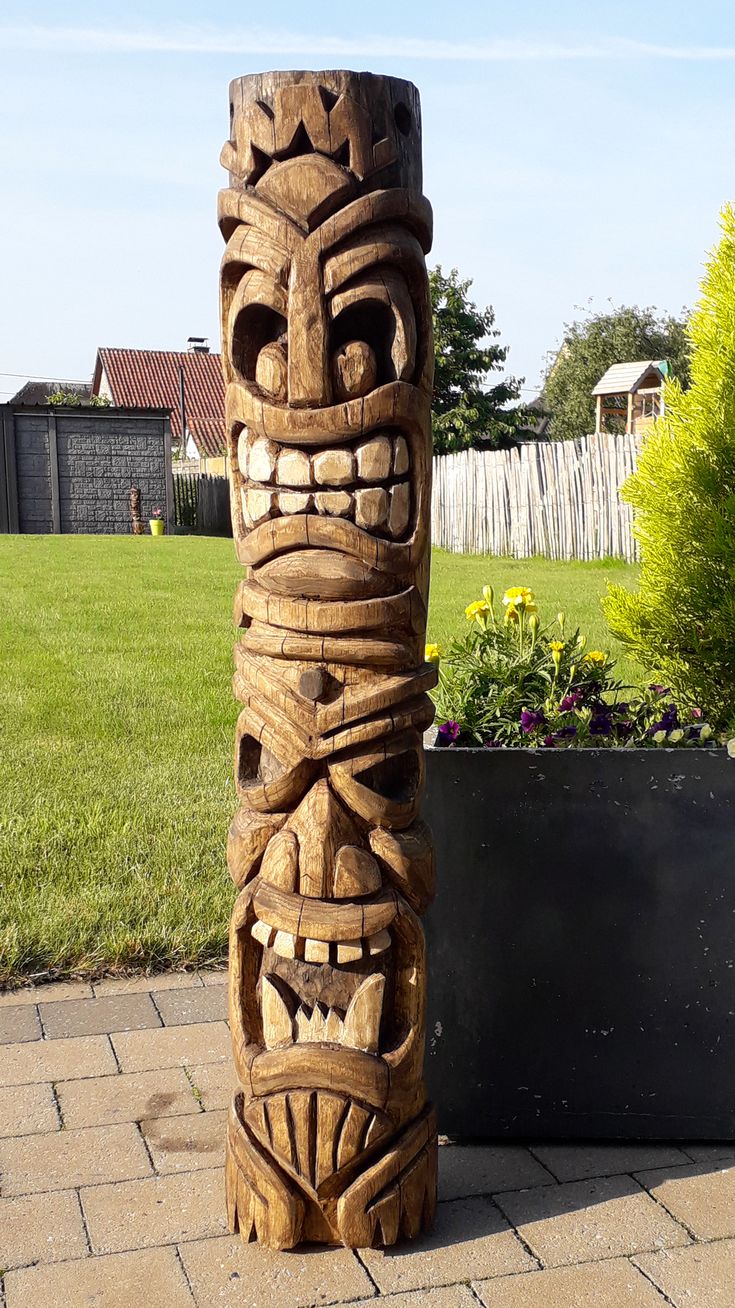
x: 54, y: 990
x: 579, y: 1162
x: 36, y: 1163
x: 133, y: 985
x: 186, y: 1144
x: 27, y: 1110
x: 586, y: 1220
x: 111, y: 1144
x: 56, y: 1060
x: 172, y: 1046
x: 233, y: 1275
x: 702, y: 1197
x: 447, y: 1296
x: 179, y: 1007
x: 150, y: 1278
x: 160, y: 1210
x: 615, y: 1284
x: 471, y: 1240
x: 701, y: 1152
x: 214, y: 1083
x: 127, y: 1097
x: 702, y: 1276
x: 466, y: 1170
x: 45, y: 1228
x: 80, y: 1017
x: 19, y: 1022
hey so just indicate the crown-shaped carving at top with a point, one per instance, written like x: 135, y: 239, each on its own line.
x: 278, y: 116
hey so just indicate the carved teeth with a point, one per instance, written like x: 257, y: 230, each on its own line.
x: 400, y: 508
x: 262, y: 460
x: 400, y: 456
x: 295, y: 501
x: 374, y: 459
x: 243, y: 451
x: 337, y: 481
x: 294, y: 468
x: 371, y: 507
x: 358, y: 1028
x: 349, y: 951
x: 378, y: 943
x: 334, y: 467
x: 334, y: 503
x: 316, y: 951
x: 319, y: 951
x: 257, y: 505
x: 262, y: 932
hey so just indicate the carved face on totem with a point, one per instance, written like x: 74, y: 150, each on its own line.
x: 328, y: 364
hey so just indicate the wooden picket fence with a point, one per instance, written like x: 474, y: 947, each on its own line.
x: 559, y: 500
x: 202, y: 503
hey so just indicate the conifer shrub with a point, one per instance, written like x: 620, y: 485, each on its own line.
x: 680, y: 623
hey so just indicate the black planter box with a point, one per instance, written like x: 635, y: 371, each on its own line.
x: 582, y: 943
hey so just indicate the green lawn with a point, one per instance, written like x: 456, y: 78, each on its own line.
x: 117, y: 724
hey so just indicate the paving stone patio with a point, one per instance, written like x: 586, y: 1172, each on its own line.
x: 112, y: 1110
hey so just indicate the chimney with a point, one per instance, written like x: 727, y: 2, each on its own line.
x: 197, y: 345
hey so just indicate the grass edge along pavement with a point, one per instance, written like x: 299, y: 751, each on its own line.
x: 117, y: 723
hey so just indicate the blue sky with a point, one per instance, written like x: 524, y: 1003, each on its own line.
x: 573, y: 152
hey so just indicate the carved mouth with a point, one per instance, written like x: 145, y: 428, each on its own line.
x: 365, y: 481
x: 287, y: 1020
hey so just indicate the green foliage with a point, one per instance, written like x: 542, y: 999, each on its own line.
x: 511, y: 682
x: 74, y: 400
x: 464, y: 412
x: 591, y: 345
x: 680, y: 623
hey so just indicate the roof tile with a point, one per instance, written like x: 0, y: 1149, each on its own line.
x: 150, y: 378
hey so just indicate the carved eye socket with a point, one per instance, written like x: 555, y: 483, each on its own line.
x: 362, y: 338
x: 259, y: 330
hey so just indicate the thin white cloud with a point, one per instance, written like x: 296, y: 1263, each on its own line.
x: 208, y: 40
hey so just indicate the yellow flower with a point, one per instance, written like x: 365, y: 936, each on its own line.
x: 676, y: 736
x: 556, y: 647
x: 520, y: 597
x: 511, y: 613
x: 433, y: 653
x: 476, y: 610
x: 659, y: 737
x: 595, y: 656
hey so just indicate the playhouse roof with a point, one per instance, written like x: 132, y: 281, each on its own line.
x: 625, y: 377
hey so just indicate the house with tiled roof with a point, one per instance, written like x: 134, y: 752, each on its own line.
x: 172, y: 379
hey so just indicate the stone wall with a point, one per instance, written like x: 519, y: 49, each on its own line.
x: 99, y: 455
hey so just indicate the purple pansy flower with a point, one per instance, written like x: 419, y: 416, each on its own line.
x: 531, y: 719
x: 571, y: 702
x: 448, y: 733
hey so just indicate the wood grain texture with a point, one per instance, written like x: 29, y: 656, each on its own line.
x: 327, y: 360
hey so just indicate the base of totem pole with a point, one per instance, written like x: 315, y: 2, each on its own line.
x: 351, y: 1194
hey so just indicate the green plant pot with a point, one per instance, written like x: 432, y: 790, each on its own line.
x: 157, y: 526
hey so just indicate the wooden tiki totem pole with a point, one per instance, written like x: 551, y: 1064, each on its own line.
x: 328, y: 362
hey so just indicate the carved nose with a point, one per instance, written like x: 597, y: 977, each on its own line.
x: 309, y: 384
x: 319, y: 854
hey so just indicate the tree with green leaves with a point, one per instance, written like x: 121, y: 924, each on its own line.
x: 595, y: 342
x: 464, y: 411
x: 680, y: 623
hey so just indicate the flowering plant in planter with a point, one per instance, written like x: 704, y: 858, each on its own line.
x: 510, y: 681
x: 156, y: 513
